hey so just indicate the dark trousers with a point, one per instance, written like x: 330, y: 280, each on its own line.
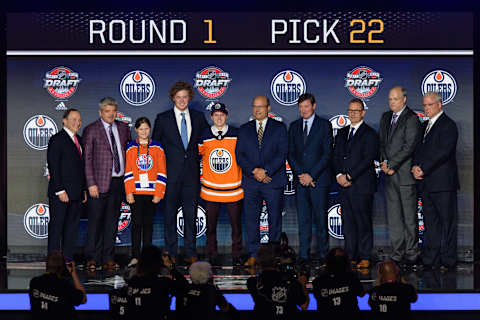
x: 143, y: 210
x: 254, y: 195
x: 103, y: 213
x: 186, y: 196
x: 63, y: 225
x: 312, y: 207
x: 440, y: 218
x: 357, y: 224
x: 234, y: 210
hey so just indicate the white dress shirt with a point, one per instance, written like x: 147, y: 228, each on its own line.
x: 264, y: 123
x: 178, y: 117
x: 215, y: 130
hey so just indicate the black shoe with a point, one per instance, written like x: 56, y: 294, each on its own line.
x: 237, y: 261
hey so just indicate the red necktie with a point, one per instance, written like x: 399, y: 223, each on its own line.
x: 78, y: 145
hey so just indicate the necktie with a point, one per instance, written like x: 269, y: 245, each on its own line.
x: 393, y: 123
x: 352, y: 131
x: 260, y: 134
x: 429, y: 126
x: 77, y: 144
x: 183, y: 130
x: 305, y: 131
x: 219, y: 136
x: 116, y: 159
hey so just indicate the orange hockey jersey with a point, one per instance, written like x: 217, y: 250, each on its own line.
x: 221, y: 175
x: 149, y: 160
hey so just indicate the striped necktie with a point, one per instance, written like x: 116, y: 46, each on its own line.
x: 260, y: 134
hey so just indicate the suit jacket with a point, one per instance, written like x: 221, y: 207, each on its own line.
x: 398, y: 146
x: 271, y: 156
x: 436, y: 155
x: 315, y: 156
x: 182, y: 165
x: 356, y: 156
x: 98, y: 153
x: 65, y: 166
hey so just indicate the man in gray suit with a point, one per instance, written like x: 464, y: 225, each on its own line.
x: 398, y: 135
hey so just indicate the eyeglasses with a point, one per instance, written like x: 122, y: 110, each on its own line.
x: 354, y: 111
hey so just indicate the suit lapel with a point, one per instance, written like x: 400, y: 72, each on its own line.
x: 69, y: 142
x: 312, y: 130
x: 400, y: 121
x: 175, y: 129
x: 194, y: 128
x: 434, y: 127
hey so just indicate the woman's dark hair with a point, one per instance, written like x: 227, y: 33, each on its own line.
x: 141, y: 121
x: 150, y: 262
x: 56, y: 263
x: 337, y: 261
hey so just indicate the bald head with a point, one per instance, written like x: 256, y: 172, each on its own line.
x: 397, y: 98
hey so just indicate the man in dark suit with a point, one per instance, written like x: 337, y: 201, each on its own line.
x: 398, y: 135
x: 105, y: 141
x: 66, y: 187
x: 262, y: 148
x: 435, y: 167
x: 179, y: 130
x: 309, y: 155
x: 356, y: 148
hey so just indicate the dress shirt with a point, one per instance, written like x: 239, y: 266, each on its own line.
x: 119, y: 147
x: 178, y: 117
x: 264, y: 123
x: 355, y: 127
x: 398, y: 114
x: 432, y: 121
x: 309, y: 123
x: 215, y: 130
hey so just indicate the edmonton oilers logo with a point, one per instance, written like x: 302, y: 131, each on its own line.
x: 38, y: 130
x: 220, y: 160
x: 338, y: 122
x: 137, y: 88
x: 442, y: 82
x: 144, y: 162
x: 200, y: 222
x: 335, y: 222
x: 36, y: 220
x: 287, y: 86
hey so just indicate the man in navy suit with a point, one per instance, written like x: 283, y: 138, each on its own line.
x: 261, y: 152
x: 309, y: 154
x: 178, y: 130
x: 66, y: 187
x: 435, y: 168
x: 356, y: 148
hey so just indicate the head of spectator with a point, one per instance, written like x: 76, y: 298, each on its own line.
x: 56, y: 263
x: 200, y: 272
x: 219, y: 115
x: 181, y: 93
x: 108, y: 109
x: 388, y: 271
x: 306, y: 105
x: 142, y: 129
x: 72, y: 120
x: 397, y: 98
x: 261, y: 107
x: 268, y: 256
x: 432, y: 104
x: 150, y: 262
x: 356, y: 111
x: 337, y: 261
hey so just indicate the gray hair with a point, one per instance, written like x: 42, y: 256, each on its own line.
x: 107, y: 101
x: 435, y: 95
x: 200, y: 272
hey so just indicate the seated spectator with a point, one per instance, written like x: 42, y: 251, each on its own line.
x: 54, y: 294
x: 202, y: 296
x: 392, y: 295
x: 276, y: 294
x: 337, y: 289
x: 148, y: 292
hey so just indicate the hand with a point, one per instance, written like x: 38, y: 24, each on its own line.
x: 84, y: 197
x: 156, y: 199
x: 259, y: 174
x: 93, y: 191
x: 71, y: 267
x: 63, y: 197
x: 347, y: 184
x: 267, y: 179
x: 417, y: 172
x: 130, y: 198
x: 342, y: 179
x: 305, y: 179
x: 384, y: 167
x: 390, y: 172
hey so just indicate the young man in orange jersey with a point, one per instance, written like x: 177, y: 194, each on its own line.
x: 221, y: 181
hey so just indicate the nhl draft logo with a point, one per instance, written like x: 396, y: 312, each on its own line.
x: 36, y: 220
x: 201, y: 222
x: 124, y: 118
x: 287, y: 86
x: 125, y: 217
x: 38, y: 130
x: 220, y: 160
x: 338, y: 122
x: 289, y: 187
x: 421, y: 116
x: 335, y: 222
x: 442, y: 82
x: 212, y: 82
x: 61, y: 83
x: 137, y: 88
x: 363, y: 82
x: 144, y: 162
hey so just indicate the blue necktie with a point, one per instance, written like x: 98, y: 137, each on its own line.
x: 350, y: 136
x: 305, y: 131
x: 183, y: 130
